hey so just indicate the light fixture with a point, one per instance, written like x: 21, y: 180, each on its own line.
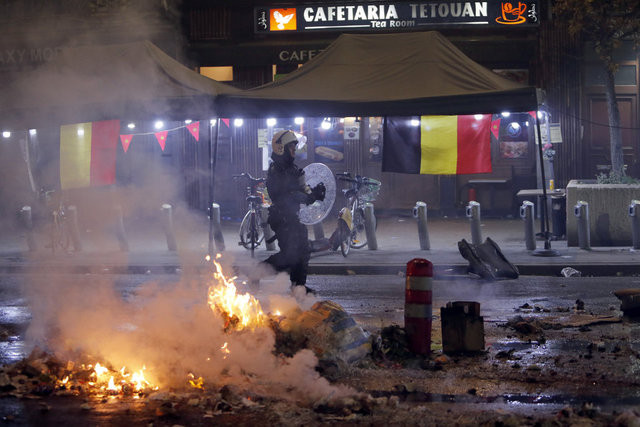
x: 271, y: 122
x: 80, y: 131
x: 6, y: 134
x: 326, y: 124
x: 298, y: 120
x: 188, y: 121
x: 505, y: 114
x: 212, y: 122
x: 159, y: 124
x: 478, y: 117
x: 131, y: 125
x: 33, y: 132
x: 238, y: 122
x: 415, y: 122
x: 540, y: 114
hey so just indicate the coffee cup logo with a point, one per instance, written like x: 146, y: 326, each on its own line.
x: 511, y: 15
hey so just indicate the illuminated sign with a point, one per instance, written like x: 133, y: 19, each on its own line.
x: 396, y: 15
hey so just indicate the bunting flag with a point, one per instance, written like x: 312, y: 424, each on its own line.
x: 88, y: 153
x: 194, y: 128
x: 495, y: 128
x: 225, y: 121
x: 126, y: 141
x: 162, y: 138
x: 437, y: 145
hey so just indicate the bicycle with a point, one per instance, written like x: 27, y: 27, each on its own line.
x: 60, y: 238
x: 361, y: 191
x: 251, y: 228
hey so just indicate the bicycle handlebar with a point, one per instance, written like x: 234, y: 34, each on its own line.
x: 250, y: 178
x: 346, y: 176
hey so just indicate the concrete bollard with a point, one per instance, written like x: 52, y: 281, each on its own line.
x: 581, y: 212
x: 120, y: 232
x: 268, y: 232
x: 527, y: 214
x: 370, y: 226
x: 420, y: 213
x: 27, y: 222
x: 634, y: 215
x: 74, y: 229
x: 217, y: 228
x: 418, y: 305
x: 473, y: 213
x: 167, y: 225
x: 462, y: 327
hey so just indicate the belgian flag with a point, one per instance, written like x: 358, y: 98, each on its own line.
x: 437, y: 145
x: 88, y: 153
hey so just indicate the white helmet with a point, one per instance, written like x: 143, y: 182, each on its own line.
x: 281, y: 139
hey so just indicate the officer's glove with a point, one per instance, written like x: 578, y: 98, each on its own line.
x: 319, y: 191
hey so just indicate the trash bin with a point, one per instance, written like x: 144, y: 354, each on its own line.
x: 559, y: 216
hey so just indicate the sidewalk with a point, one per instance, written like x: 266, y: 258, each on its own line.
x: 396, y: 236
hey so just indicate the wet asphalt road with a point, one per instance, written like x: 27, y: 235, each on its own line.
x: 374, y: 301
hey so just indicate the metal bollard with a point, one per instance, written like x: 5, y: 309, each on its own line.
x: 268, y: 232
x: 72, y: 212
x: 217, y: 228
x: 120, y: 233
x: 581, y: 211
x: 473, y: 213
x: 526, y: 213
x: 420, y: 213
x: 634, y: 215
x: 370, y: 226
x: 27, y: 223
x: 167, y: 224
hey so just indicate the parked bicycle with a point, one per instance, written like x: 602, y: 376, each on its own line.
x: 251, y: 227
x: 59, y: 233
x: 361, y: 190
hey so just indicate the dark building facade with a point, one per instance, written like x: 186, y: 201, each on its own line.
x: 238, y: 42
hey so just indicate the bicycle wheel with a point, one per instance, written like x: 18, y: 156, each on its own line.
x: 251, y: 232
x: 358, y: 232
x: 345, y: 237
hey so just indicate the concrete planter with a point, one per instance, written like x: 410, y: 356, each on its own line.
x: 608, y: 211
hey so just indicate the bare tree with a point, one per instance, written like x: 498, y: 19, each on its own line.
x: 605, y: 24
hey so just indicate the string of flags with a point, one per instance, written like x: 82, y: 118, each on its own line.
x: 161, y: 136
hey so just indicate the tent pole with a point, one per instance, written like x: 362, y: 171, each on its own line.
x: 544, y: 217
x: 213, y: 154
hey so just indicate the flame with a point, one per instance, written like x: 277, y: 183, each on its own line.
x: 239, y: 311
x: 103, y: 379
x: 198, y: 383
x: 225, y: 350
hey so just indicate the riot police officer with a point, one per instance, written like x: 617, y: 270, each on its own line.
x: 287, y: 190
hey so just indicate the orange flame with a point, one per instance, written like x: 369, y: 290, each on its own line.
x: 240, y: 311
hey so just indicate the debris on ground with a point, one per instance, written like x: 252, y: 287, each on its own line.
x: 570, y: 272
x: 326, y: 329
x: 630, y: 301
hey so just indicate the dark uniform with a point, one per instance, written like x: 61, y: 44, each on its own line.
x: 286, y: 187
x: 288, y: 190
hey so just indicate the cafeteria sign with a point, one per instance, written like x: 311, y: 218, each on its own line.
x: 377, y: 16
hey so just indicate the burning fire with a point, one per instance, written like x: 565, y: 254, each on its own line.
x: 239, y: 311
x: 100, y: 378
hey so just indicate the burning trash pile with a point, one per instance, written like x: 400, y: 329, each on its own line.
x: 166, y: 339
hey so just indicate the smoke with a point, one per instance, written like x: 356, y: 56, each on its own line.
x: 171, y: 330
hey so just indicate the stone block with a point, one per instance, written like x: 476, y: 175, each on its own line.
x: 609, y: 222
